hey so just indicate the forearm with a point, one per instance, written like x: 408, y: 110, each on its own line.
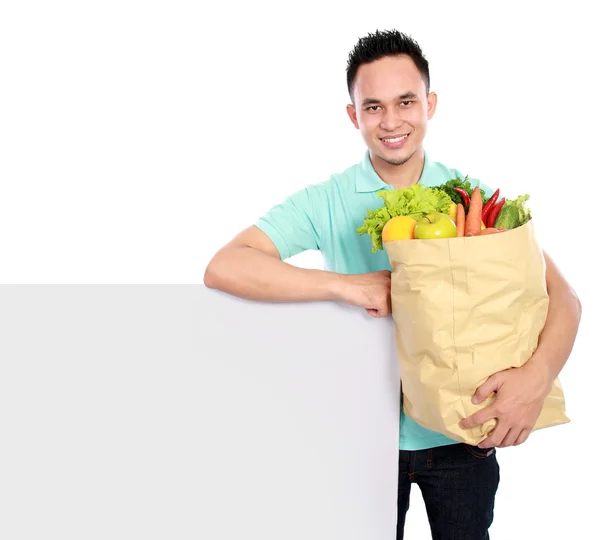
x: 248, y: 273
x: 558, y: 336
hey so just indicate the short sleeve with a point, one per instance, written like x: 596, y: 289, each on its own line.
x: 293, y: 224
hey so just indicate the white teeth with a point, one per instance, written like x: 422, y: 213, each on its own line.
x: 397, y: 139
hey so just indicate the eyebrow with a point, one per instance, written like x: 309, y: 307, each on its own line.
x: 401, y: 97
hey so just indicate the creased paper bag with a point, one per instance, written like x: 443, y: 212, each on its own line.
x: 464, y: 309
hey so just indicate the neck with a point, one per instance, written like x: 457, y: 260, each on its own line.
x: 400, y: 176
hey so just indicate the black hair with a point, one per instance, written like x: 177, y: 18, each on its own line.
x: 381, y: 44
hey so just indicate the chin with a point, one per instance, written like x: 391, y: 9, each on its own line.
x: 396, y: 158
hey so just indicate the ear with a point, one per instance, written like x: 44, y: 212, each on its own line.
x: 352, y: 114
x: 431, y: 104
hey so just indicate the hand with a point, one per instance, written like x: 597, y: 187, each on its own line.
x: 369, y: 291
x: 520, y: 395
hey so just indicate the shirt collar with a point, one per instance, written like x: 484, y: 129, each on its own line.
x: 367, y: 180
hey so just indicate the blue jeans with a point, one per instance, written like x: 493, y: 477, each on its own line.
x: 458, y: 483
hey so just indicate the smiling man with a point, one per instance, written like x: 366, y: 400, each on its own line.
x: 391, y: 104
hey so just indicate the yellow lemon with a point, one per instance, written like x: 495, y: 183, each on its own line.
x: 452, y: 210
x: 399, y: 228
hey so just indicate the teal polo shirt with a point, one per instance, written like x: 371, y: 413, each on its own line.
x: 325, y: 217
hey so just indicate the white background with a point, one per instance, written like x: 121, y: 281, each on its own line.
x: 137, y: 138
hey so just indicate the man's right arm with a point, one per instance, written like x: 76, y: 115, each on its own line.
x: 250, y: 267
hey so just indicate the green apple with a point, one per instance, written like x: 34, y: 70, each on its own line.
x: 435, y: 225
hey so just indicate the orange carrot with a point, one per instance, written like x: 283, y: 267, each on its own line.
x: 473, y: 219
x: 488, y: 230
x: 460, y: 220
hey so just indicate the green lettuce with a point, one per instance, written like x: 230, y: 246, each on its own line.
x: 414, y: 201
x: 519, y: 204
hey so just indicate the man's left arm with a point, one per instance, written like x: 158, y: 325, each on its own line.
x: 520, y: 392
x: 558, y: 336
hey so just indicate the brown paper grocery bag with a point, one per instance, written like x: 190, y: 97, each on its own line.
x: 464, y: 309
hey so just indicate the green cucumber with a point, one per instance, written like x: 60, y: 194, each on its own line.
x: 508, y: 218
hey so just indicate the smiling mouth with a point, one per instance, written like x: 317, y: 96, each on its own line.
x: 395, y: 143
x: 395, y: 139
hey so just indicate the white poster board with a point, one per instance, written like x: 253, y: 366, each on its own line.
x: 180, y: 412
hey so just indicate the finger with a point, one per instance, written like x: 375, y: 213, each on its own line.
x: 495, y: 437
x: 485, y: 414
x: 522, y: 437
x: 511, y: 437
x: 384, y: 308
x: 491, y: 385
x: 377, y: 313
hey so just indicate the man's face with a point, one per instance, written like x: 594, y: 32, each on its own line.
x: 391, y: 108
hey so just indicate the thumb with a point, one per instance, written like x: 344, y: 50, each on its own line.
x: 489, y: 386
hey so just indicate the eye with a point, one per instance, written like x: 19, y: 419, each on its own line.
x: 405, y: 103
x: 373, y: 108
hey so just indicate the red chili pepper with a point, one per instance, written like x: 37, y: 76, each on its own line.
x: 488, y: 206
x: 493, y: 214
x: 465, y: 196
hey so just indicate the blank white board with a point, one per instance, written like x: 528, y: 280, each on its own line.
x: 175, y: 411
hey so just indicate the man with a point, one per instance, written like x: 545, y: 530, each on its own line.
x: 391, y: 103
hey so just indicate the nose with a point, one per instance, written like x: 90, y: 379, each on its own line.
x: 391, y: 119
